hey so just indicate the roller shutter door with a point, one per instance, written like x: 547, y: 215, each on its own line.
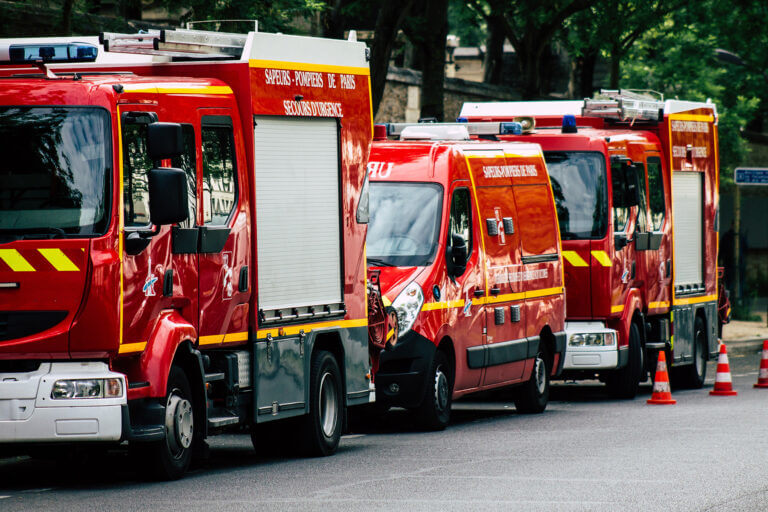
x: 297, y: 212
x: 688, y: 204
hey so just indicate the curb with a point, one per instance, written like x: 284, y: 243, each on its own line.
x: 744, y: 346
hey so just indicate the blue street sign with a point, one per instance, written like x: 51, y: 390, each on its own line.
x: 750, y: 176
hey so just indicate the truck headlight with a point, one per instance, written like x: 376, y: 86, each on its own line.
x: 87, y: 388
x: 408, y: 305
x: 592, y: 339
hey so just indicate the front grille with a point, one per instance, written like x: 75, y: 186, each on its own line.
x: 18, y: 324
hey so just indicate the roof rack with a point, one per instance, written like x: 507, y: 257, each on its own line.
x: 516, y: 127
x: 624, y: 106
x: 190, y: 44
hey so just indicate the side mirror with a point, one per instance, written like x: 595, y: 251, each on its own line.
x: 456, y: 256
x: 167, y: 196
x: 164, y: 141
x: 620, y: 241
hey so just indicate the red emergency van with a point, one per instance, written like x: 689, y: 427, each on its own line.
x: 465, y: 237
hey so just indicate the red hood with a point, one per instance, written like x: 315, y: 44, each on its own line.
x: 42, y: 289
x: 394, y: 279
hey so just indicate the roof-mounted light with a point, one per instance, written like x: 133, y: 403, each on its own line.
x: 48, y: 53
x: 513, y: 128
x: 569, y: 124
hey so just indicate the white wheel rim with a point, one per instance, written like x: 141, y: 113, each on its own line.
x: 328, y: 405
x: 179, y: 423
x: 540, y: 375
x: 441, y: 390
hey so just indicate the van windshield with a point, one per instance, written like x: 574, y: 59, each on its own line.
x: 580, y: 190
x: 54, y: 174
x: 404, y: 223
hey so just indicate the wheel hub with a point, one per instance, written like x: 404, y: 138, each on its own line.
x: 179, y: 423
x: 328, y: 405
x: 541, y: 377
x: 441, y: 390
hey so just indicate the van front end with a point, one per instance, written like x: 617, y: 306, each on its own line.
x: 592, y: 347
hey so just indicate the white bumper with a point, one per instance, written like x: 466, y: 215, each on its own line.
x: 589, y: 357
x: 28, y: 414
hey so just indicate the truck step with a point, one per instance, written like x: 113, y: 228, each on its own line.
x: 223, y: 421
x: 211, y: 377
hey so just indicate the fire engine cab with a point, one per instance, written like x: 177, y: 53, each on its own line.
x: 635, y: 180
x: 181, y: 245
x: 464, y: 236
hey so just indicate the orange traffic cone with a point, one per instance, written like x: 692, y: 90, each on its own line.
x: 762, y: 379
x: 723, y: 385
x: 661, y: 393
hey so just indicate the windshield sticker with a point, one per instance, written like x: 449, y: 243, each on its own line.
x: 509, y: 171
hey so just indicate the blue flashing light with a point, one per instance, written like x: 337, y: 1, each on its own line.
x: 462, y: 120
x: 569, y: 124
x: 512, y: 128
x: 52, y: 52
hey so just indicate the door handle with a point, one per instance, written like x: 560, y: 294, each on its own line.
x: 495, y: 291
x: 479, y: 292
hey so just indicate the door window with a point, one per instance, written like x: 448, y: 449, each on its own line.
x: 619, y: 189
x: 638, y: 172
x: 656, y: 192
x: 187, y: 162
x: 461, y: 217
x: 219, y: 168
x: 136, y: 166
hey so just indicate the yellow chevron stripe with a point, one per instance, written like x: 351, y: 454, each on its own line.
x: 602, y: 258
x: 130, y: 348
x: 15, y: 260
x: 617, y: 309
x: 386, y: 301
x: 59, y: 260
x: 178, y: 89
x: 574, y: 259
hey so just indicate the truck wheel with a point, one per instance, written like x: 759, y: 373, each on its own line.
x: 693, y: 375
x: 322, y: 427
x: 532, y: 397
x: 434, y: 413
x: 169, y: 459
x: 624, y: 383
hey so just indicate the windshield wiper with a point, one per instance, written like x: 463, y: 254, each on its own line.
x: 29, y: 233
x: 378, y: 262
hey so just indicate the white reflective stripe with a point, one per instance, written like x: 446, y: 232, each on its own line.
x: 660, y: 387
x: 723, y: 377
x: 764, y: 373
x: 765, y: 354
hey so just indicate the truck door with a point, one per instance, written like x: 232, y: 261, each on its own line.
x: 152, y: 274
x: 657, y: 259
x: 223, y: 244
x: 624, y: 267
x: 506, y: 347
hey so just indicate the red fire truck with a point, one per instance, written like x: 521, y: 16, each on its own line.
x: 635, y: 180
x: 464, y: 236
x: 181, y: 245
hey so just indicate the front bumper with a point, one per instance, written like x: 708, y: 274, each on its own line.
x: 590, y: 357
x: 401, y: 379
x: 28, y: 414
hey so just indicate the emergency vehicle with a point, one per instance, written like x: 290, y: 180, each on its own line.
x: 635, y: 180
x: 464, y: 236
x: 181, y: 244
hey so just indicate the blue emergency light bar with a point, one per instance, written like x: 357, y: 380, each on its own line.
x: 48, y: 53
x: 569, y: 124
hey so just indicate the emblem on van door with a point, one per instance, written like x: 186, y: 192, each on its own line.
x: 467, y: 304
x: 228, y: 289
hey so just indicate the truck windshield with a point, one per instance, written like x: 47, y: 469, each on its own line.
x: 580, y: 190
x: 404, y: 223
x: 54, y: 171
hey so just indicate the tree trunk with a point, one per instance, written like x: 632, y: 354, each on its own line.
x: 494, y: 50
x: 587, y: 76
x: 390, y: 19
x: 615, y: 65
x: 130, y: 9
x: 334, y: 22
x: 66, y: 17
x: 433, y: 63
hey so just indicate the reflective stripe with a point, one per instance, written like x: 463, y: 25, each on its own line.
x: 574, y: 259
x: 294, y: 329
x: 602, y: 258
x: 15, y: 260
x: 661, y: 304
x: 303, y: 66
x: 695, y: 300
x: 128, y: 348
x: 178, y: 89
x: 617, y: 309
x: 432, y: 306
x: 59, y: 260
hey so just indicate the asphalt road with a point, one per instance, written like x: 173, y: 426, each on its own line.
x: 586, y: 452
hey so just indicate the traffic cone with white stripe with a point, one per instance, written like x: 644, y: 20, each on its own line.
x: 723, y: 385
x: 762, y: 379
x: 661, y: 393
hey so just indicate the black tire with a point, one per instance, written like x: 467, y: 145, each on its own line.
x: 533, y: 396
x: 169, y: 459
x: 434, y: 412
x: 693, y: 375
x: 625, y: 382
x: 321, y: 428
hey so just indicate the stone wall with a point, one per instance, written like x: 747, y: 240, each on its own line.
x: 401, y: 96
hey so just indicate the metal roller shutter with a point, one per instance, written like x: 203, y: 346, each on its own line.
x: 297, y: 212
x: 688, y: 204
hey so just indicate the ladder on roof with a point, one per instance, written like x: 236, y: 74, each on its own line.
x: 624, y: 105
x: 179, y: 43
